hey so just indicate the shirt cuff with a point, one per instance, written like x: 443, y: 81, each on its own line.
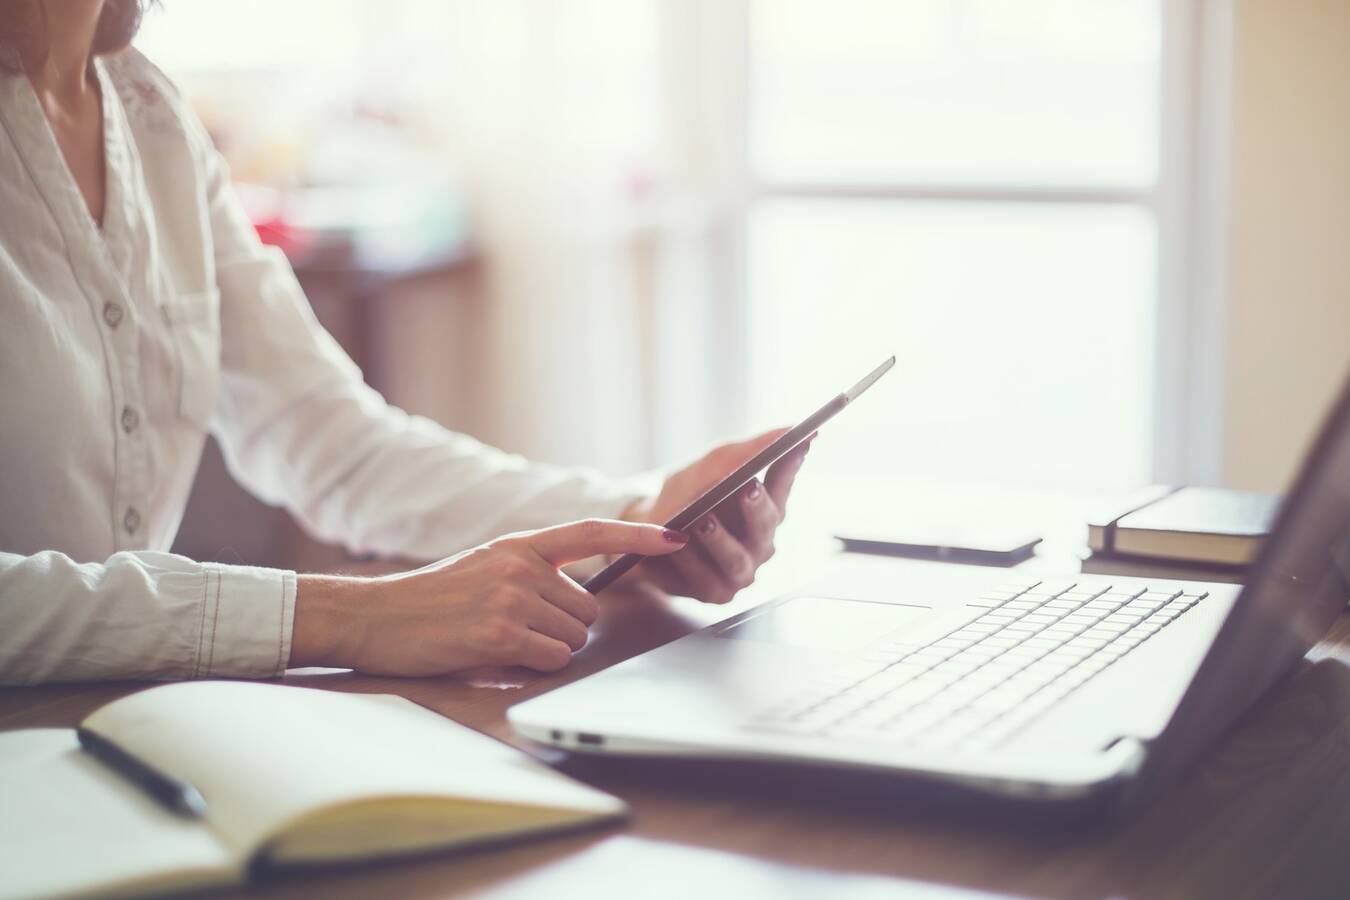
x: 249, y: 616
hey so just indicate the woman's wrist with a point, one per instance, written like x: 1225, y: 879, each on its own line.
x: 327, y: 627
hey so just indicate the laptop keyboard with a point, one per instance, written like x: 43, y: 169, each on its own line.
x: 979, y: 685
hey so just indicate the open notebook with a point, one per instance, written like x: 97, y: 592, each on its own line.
x: 291, y: 776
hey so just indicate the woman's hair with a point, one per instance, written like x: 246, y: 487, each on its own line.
x: 25, y: 38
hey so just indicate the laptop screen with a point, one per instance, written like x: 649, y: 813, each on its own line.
x: 1298, y: 587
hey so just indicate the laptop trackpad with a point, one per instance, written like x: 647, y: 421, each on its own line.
x: 825, y: 623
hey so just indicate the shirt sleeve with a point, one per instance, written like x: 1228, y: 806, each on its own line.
x: 146, y: 614
x: 299, y: 427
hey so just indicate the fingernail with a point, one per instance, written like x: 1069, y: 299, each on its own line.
x: 675, y: 537
x: 707, y: 526
x: 754, y: 492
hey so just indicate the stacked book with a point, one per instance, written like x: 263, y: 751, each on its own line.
x: 1204, y: 526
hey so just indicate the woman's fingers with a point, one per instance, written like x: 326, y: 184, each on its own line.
x: 721, y: 568
x: 545, y: 618
x: 544, y: 653
x: 778, y: 481
x: 762, y: 518
x: 560, y: 590
x: 662, y: 573
x: 733, y: 561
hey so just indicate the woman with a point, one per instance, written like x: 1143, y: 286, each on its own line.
x: 141, y: 311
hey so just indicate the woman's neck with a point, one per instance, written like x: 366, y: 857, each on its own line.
x: 64, y: 75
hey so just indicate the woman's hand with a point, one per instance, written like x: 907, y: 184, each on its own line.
x: 729, y: 544
x: 504, y: 603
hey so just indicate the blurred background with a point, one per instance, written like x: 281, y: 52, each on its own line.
x: 1106, y: 238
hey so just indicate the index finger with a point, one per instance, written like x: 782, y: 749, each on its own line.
x: 591, y: 537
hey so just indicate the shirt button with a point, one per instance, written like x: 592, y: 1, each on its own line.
x: 132, y: 520
x: 112, y: 314
x: 130, y: 419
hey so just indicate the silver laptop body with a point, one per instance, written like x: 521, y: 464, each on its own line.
x: 1046, y: 688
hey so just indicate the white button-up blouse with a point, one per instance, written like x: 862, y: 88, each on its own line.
x: 121, y: 346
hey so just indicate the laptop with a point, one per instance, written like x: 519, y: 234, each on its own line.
x: 1048, y: 689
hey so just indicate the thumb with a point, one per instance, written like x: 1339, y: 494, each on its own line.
x: 591, y: 537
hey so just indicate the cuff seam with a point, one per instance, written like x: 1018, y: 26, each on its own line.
x: 201, y: 624
x: 215, y: 620
x: 281, y: 629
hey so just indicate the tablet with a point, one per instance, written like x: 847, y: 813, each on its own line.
x: 738, y: 479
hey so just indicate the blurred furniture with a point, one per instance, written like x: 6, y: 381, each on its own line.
x: 411, y: 326
x: 1265, y: 814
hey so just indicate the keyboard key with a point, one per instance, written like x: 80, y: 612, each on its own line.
x: 1071, y: 653
x: 1020, y: 605
x: 982, y: 682
x: 1088, y: 667
x: 1067, y: 606
x: 1050, y: 666
x: 1009, y: 590
x: 1006, y: 664
x: 930, y: 654
x: 997, y: 701
x: 1074, y: 677
x: 883, y: 655
x: 958, y: 667
x: 980, y: 653
x: 857, y: 732
x: 999, y: 619
x: 1052, y: 587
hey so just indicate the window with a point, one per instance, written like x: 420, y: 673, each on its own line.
x: 976, y: 186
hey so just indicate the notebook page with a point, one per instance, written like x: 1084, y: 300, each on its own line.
x: 71, y: 826
x: 264, y: 755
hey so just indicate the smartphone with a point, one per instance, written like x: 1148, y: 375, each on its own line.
x: 738, y: 479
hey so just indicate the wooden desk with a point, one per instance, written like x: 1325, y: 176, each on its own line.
x: 1267, y: 814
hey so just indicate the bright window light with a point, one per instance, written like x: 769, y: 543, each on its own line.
x: 1049, y: 92
x: 1023, y: 333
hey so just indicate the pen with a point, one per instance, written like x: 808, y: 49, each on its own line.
x: 178, y: 796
